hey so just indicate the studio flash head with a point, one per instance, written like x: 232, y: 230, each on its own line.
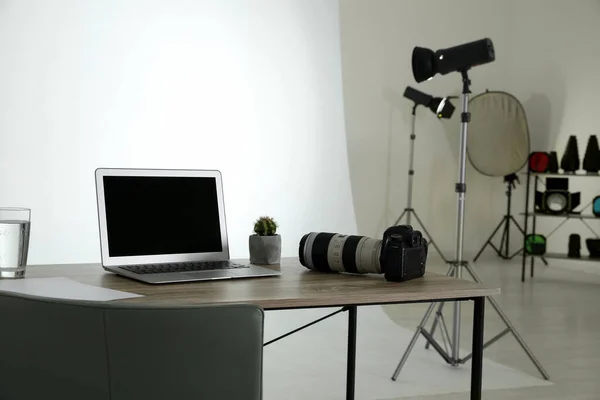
x: 440, y: 106
x: 426, y: 63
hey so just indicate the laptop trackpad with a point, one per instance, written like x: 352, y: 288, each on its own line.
x: 209, y: 275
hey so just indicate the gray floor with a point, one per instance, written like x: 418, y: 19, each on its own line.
x: 557, y: 313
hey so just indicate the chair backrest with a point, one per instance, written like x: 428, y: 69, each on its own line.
x: 67, y: 350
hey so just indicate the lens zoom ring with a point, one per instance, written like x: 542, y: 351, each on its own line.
x: 319, y: 251
x: 349, y: 253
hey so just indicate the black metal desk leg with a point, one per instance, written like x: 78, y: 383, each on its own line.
x: 477, y: 361
x: 351, y: 365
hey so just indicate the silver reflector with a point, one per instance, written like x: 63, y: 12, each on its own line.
x: 498, y: 142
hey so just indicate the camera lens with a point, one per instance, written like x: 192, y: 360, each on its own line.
x: 333, y: 252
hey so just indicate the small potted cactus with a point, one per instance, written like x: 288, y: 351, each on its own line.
x: 265, y: 243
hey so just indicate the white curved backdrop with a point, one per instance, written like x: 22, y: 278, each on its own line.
x: 252, y: 88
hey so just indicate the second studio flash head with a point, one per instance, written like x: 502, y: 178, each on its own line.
x: 440, y: 106
x: 426, y: 62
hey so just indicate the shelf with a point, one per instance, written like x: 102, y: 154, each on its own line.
x: 532, y: 211
x: 568, y: 216
x: 558, y: 256
x: 576, y: 175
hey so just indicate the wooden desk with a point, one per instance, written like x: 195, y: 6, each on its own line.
x: 299, y: 288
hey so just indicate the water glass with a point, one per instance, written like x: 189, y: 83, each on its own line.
x: 14, y: 241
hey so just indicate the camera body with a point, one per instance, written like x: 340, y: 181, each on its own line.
x: 403, y: 253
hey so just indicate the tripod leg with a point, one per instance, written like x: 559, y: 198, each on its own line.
x: 507, y: 233
x: 519, y: 338
x: 400, y: 217
x: 431, y: 241
x: 516, y: 253
x: 522, y: 232
x: 487, y: 242
x: 444, y: 330
x: 504, y: 240
x: 510, y: 326
x: 413, y: 341
x: 438, y: 313
x: 517, y: 224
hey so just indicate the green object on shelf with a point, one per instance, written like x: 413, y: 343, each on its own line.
x: 535, y: 244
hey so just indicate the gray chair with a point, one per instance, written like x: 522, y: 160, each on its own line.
x: 73, y: 350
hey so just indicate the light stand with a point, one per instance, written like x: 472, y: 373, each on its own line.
x: 455, y: 270
x: 409, y: 210
x: 503, y: 250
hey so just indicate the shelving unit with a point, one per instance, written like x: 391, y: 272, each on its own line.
x: 533, y: 215
x: 566, y: 216
x: 563, y: 175
x: 558, y: 256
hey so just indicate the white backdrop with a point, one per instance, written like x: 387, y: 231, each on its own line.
x: 249, y: 87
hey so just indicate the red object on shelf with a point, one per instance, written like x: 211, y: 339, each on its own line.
x: 539, y: 161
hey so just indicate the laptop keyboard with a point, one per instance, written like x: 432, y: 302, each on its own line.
x: 182, y: 267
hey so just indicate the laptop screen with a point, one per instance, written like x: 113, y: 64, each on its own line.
x: 153, y: 215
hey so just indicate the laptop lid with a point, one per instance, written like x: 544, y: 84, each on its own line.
x: 149, y: 216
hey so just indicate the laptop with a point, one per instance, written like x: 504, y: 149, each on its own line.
x: 166, y: 226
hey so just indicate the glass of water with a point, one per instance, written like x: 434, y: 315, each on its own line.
x: 14, y: 241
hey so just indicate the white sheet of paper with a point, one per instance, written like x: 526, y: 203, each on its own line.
x: 62, y: 288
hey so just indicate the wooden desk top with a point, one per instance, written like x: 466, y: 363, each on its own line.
x: 297, y: 287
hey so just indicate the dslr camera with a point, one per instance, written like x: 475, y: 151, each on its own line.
x: 400, y: 256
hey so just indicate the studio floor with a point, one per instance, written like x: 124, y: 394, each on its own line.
x: 557, y: 313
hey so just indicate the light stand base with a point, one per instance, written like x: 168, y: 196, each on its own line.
x: 443, y: 350
x: 503, y: 250
x: 408, y: 212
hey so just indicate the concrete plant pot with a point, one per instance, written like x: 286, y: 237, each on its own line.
x: 265, y: 249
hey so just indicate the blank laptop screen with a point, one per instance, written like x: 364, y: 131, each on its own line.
x: 149, y: 215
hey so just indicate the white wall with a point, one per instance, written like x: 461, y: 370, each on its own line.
x: 250, y: 87
x: 547, y: 56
